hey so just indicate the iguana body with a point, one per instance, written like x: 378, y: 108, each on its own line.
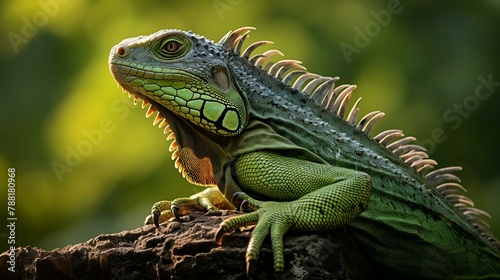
x: 271, y: 131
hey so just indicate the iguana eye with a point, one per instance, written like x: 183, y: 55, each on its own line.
x: 171, y: 46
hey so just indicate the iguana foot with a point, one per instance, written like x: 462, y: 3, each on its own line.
x: 210, y: 199
x: 274, y: 218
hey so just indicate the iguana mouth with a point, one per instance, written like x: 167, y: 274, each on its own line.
x: 154, y: 107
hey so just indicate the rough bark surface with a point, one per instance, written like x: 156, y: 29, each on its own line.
x: 186, y: 250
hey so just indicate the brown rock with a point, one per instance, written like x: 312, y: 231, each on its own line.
x: 186, y: 250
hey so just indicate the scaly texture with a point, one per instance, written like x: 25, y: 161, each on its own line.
x: 282, y: 142
x: 329, y: 197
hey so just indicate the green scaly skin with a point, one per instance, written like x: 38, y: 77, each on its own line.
x: 329, y: 197
x: 274, y: 145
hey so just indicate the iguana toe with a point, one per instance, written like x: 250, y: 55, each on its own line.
x: 160, y: 212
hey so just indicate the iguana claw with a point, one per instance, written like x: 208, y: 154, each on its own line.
x: 247, y: 203
x: 238, y: 198
x: 156, y: 216
x: 159, y: 213
x: 175, y: 212
x: 251, y: 265
x: 219, y: 235
x: 244, y: 206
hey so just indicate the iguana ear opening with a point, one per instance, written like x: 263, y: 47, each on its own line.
x: 221, y: 78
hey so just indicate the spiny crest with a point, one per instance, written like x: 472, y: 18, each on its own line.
x: 324, y: 92
x: 291, y: 73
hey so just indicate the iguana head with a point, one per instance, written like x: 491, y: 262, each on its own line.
x: 185, y: 78
x: 184, y: 73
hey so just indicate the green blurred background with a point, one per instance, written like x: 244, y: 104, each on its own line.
x: 59, y: 99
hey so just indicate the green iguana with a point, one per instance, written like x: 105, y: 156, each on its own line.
x: 278, y: 142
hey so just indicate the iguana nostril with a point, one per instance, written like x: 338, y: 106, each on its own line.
x: 122, y: 51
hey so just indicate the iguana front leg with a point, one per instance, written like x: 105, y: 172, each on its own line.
x: 305, y: 196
